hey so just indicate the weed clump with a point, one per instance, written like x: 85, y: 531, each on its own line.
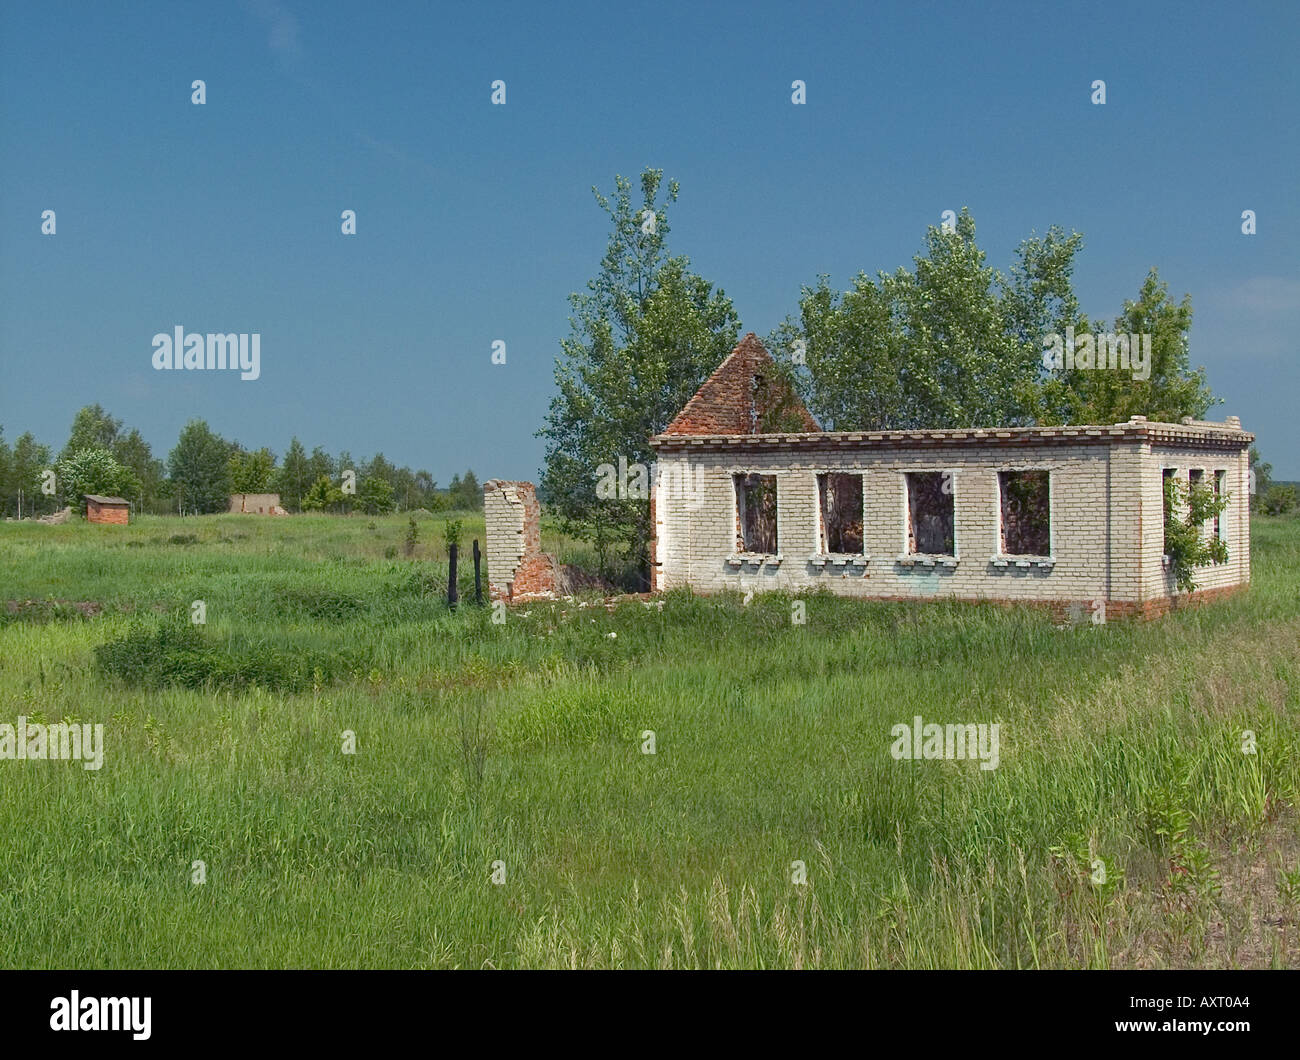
x: 328, y: 604
x: 178, y: 653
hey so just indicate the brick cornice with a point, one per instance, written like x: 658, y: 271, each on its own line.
x: 1132, y: 432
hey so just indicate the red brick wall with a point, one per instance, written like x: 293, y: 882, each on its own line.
x: 725, y: 403
x: 535, y: 576
x: 535, y: 573
x: 106, y: 513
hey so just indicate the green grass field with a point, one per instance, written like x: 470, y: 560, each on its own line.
x: 521, y: 743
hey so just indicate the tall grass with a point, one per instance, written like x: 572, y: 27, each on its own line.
x: 522, y: 744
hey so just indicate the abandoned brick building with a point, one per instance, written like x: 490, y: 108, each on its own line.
x: 1072, y: 516
x: 112, y: 510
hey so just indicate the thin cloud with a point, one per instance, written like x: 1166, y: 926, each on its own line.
x: 282, y: 31
x: 1263, y: 294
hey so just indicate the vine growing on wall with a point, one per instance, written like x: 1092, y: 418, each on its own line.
x: 1188, y: 507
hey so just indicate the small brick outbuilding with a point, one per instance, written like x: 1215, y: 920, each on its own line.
x: 115, y: 510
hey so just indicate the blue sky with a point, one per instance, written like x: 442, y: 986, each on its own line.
x: 476, y: 221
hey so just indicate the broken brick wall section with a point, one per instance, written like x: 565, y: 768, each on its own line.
x: 517, y: 567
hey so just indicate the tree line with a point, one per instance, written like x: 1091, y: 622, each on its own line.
x: 201, y: 472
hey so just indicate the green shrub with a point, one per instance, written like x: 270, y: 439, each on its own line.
x: 178, y: 653
x: 1185, y: 541
x: 328, y: 604
x: 1279, y: 500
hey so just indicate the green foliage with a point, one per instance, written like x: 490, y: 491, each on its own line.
x: 26, y: 461
x: 955, y: 343
x: 318, y: 602
x: 951, y: 343
x: 251, y: 472
x: 910, y: 864
x: 94, y: 471
x: 1173, y: 390
x: 412, y: 536
x: 1187, y: 509
x: 294, y: 477
x: 94, y: 428
x: 178, y: 653
x: 451, y: 534
x: 1261, y: 479
x: 200, y: 469
x: 1278, y: 500
x: 375, y: 497
x: 323, y: 496
x: 465, y: 494
x: 644, y: 336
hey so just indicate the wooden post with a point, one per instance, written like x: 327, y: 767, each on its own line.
x: 478, y: 582
x: 452, y: 595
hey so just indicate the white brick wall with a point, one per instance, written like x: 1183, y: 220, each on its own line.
x: 503, y: 513
x: 1106, y: 519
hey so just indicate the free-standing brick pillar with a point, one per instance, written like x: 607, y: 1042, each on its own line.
x: 517, y: 567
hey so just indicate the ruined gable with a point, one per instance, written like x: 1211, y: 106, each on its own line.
x: 745, y: 395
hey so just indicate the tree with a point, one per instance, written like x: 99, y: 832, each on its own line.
x: 950, y: 343
x: 851, y: 348
x: 379, y: 467
x: 1173, y: 390
x: 133, y: 452
x: 955, y: 343
x: 321, y: 463
x: 1261, y: 479
x: 28, y: 460
x: 464, y: 495
x: 92, y: 428
x: 962, y: 367
x: 1278, y: 500
x: 1039, y: 301
x: 323, y: 496
x: 295, y: 477
x: 251, y: 472
x: 6, y: 474
x: 200, y: 469
x: 643, y: 337
x: 375, y: 497
x: 471, y: 492
x: 94, y: 470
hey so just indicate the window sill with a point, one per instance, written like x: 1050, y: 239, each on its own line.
x: 1024, y: 562
x: 833, y: 559
x: 927, y: 561
x: 754, y: 559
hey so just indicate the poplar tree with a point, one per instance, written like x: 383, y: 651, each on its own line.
x: 643, y: 336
